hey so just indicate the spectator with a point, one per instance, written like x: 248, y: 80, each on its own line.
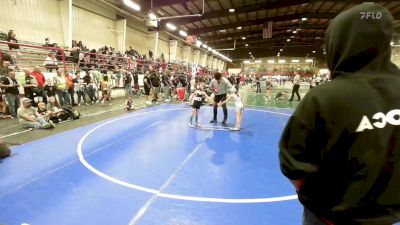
x: 41, y: 80
x: 47, y: 43
x: 51, y: 62
x: 50, y: 89
x: 29, y: 118
x: 80, y: 89
x: 258, y: 84
x: 74, y: 55
x: 166, y: 86
x: 70, y: 87
x: 96, y: 79
x: 341, y: 147
x: 155, y: 84
x: 5, y: 68
x: 128, y: 84
x: 90, y: 88
x: 30, y: 85
x: 4, y: 150
x: 136, y: 82
x: 280, y: 95
x: 42, y: 110
x: 106, y: 90
x: 62, y: 89
x: 10, y: 84
x: 3, y: 105
x: 56, y: 114
x: 147, y: 87
x: 12, y: 38
x: 129, y: 104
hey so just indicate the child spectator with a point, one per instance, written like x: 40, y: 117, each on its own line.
x: 50, y: 89
x: 129, y: 104
x: 105, y: 88
x: 56, y: 114
x: 42, y: 110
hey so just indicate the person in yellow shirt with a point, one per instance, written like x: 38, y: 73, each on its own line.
x: 62, y: 90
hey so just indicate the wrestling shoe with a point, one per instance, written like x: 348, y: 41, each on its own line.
x: 234, y: 129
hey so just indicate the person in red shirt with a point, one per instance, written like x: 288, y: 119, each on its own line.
x: 39, y: 76
x: 41, y: 80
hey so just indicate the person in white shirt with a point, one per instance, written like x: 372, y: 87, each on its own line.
x: 51, y: 62
x: 239, y: 107
x: 296, y: 87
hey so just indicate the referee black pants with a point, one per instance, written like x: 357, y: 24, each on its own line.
x: 218, y: 99
x: 295, y: 90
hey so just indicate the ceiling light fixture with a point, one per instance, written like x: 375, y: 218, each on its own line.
x: 288, y: 40
x: 304, y: 19
x: 152, y: 16
x: 171, y: 26
x: 239, y: 28
x: 183, y: 33
x: 244, y: 38
x: 231, y: 10
x: 132, y: 5
x: 247, y: 45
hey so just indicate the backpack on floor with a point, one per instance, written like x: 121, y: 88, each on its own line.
x: 72, y: 113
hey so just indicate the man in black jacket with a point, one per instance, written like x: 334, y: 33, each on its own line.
x: 341, y: 148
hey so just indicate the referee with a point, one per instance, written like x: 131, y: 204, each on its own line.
x: 220, y: 86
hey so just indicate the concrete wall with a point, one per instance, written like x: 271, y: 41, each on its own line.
x: 32, y: 20
x: 92, y: 29
x: 89, y: 21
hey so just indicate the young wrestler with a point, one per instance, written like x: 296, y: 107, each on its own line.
x: 239, y: 107
x: 197, y: 98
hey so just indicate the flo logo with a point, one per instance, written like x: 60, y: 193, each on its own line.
x: 371, y: 15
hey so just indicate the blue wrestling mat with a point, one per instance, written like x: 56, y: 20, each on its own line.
x: 150, y: 168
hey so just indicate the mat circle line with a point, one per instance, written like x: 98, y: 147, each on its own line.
x: 166, y: 195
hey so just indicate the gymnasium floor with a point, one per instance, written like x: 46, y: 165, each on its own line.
x: 148, y: 167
